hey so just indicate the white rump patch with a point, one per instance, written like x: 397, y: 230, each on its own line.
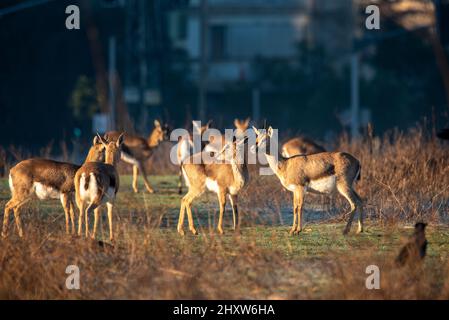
x: 91, y: 193
x: 45, y: 192
x: 11, y: 186
x: 128, y: 158
x: 212, y: 185
x: 323, y: 185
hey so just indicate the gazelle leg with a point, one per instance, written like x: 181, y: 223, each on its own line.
x: 72, y: 216
x: 359, y: 204
x: 81, y: 208
x: 91, y: 207
x: 110, y: 206
x: 299, y: 195
x: 18, y: 220
x: 295, y: 214
x: 181, y: 217
x: 187, y: 202
x: 180, y: 180
x: 96, y: 218
x: 8, y: 208
x: 235, y: 212
x: 349, y: 194
x: 65, y: 201
x: 222, y: 203
x: 135, y: 176
x: 145, y: 179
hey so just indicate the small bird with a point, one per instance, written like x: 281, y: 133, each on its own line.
x: 415, y: 249
x: 443, y: 134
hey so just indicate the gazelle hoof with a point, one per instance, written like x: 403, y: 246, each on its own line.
x: 345, y: 232
x: 292, y: 232
x: 194, y: 232
x: 359, y: 231
x: 4, y: 235
x: 181, y: 232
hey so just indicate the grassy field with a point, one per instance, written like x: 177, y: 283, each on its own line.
x: 151, y: 261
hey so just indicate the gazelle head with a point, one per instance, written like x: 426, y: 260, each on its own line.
x: 201, y: 129
x: 241, y: 125
x: 262, y: 139
x: 233, y: 151
x: 112, y: 149
x: 96, y: 151
x: 160, y: 133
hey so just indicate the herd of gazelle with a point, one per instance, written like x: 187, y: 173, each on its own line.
x: 302, y: 167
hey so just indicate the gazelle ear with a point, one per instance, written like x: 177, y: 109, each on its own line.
x: 157, y: 123
x: 270, y: 131
x: 236, y: 122
x: 256, y: 131
x: 96, y: 141
x: 99, y: 138
x: 120, y: 140
x: 247, y: 120
x: 209, y: 123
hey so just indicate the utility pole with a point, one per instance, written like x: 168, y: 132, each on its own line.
x: 112, y: 87
x: 202, y: 94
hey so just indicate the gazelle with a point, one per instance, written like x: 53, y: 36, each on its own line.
x: 136, y: 150
x: 45, y: 179
x: 300, y: 145
x: 185, y: 148
x: 322, y: 173
x: 215, y: 146
x: 222, y: 178
x: 97, y: 183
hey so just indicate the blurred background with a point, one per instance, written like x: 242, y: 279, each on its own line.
x: 306, y: 66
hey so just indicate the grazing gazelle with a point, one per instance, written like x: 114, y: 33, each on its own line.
x: 136, y: 150
x: 45, y: 179
x: 185, y: 147
x: 97, y: 183
x: 322, y: 173
x: 221, y: 178
x: 300, y: 145
x: 215, y: 146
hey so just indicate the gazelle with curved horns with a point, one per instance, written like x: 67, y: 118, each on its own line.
x: 322, y: 173
x: 136, y: 150
x: 222, y: 178
x: 97, y: 183
x: 45, y: 179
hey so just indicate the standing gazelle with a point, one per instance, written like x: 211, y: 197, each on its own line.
x: 221, y: 178
x: 186, y: 147
x: 45, y: 179
x: 136, y: 150
x: 97, y: 183
x: 322, y: 173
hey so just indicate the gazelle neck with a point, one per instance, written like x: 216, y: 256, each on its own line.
x: 273, y: 162
x: 240, y: 171
x: 110, y: 159
x: 153, y: 140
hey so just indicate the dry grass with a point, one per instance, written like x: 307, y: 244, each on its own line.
x: 404, y: 178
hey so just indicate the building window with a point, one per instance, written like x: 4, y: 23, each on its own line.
x: 217, y: 42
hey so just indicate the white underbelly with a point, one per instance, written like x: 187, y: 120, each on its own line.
x: 323, y: 185
x: 44, y: 192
